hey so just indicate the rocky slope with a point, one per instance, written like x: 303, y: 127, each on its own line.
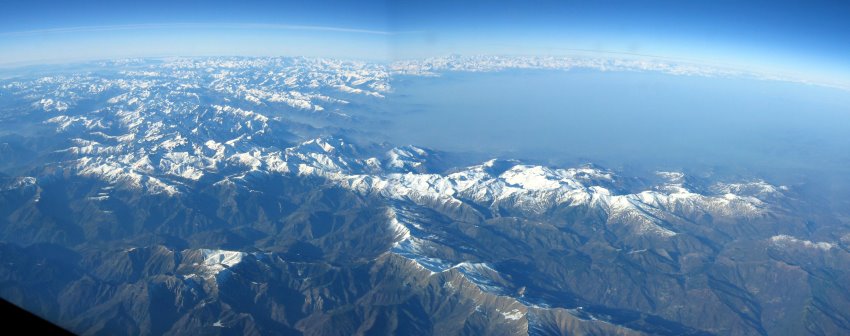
x: 193, y: 196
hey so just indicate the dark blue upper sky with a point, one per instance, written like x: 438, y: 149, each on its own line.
x: 787, y: 36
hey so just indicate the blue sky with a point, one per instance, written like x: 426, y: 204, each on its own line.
x: 801, y: 37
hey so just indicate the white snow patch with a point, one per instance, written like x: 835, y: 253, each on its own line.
x: 216, y: 261
x: 788, y: 241
x: 514, y: 314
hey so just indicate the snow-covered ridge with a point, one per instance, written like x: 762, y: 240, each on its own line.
x: 485, y: 63
x: 435, y: 66
x: 158, y: 124
x: 536, y: 190
x: 153, y: 161
x: 18, y: 183
x: 158, y: 133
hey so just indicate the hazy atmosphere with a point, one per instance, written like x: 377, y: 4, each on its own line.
x: 425, y: 168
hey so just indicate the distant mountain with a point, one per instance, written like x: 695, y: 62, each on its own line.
x: 202, y: 196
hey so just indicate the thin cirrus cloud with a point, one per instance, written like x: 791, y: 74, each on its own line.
x: 80, y: 43
x: 263, y: 26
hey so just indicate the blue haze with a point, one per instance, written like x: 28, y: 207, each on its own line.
x: 789, y: 133
x: 793, y: 131
x: 804, y: 38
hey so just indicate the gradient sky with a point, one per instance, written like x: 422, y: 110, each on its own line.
x: 807, y: 38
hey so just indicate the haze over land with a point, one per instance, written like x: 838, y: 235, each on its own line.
x: 413, y: 168
x: 265, y: 195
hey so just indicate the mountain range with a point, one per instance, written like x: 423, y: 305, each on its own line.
x: 231, y: 196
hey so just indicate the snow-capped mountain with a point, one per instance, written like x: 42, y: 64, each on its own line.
x: 194, y: 195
